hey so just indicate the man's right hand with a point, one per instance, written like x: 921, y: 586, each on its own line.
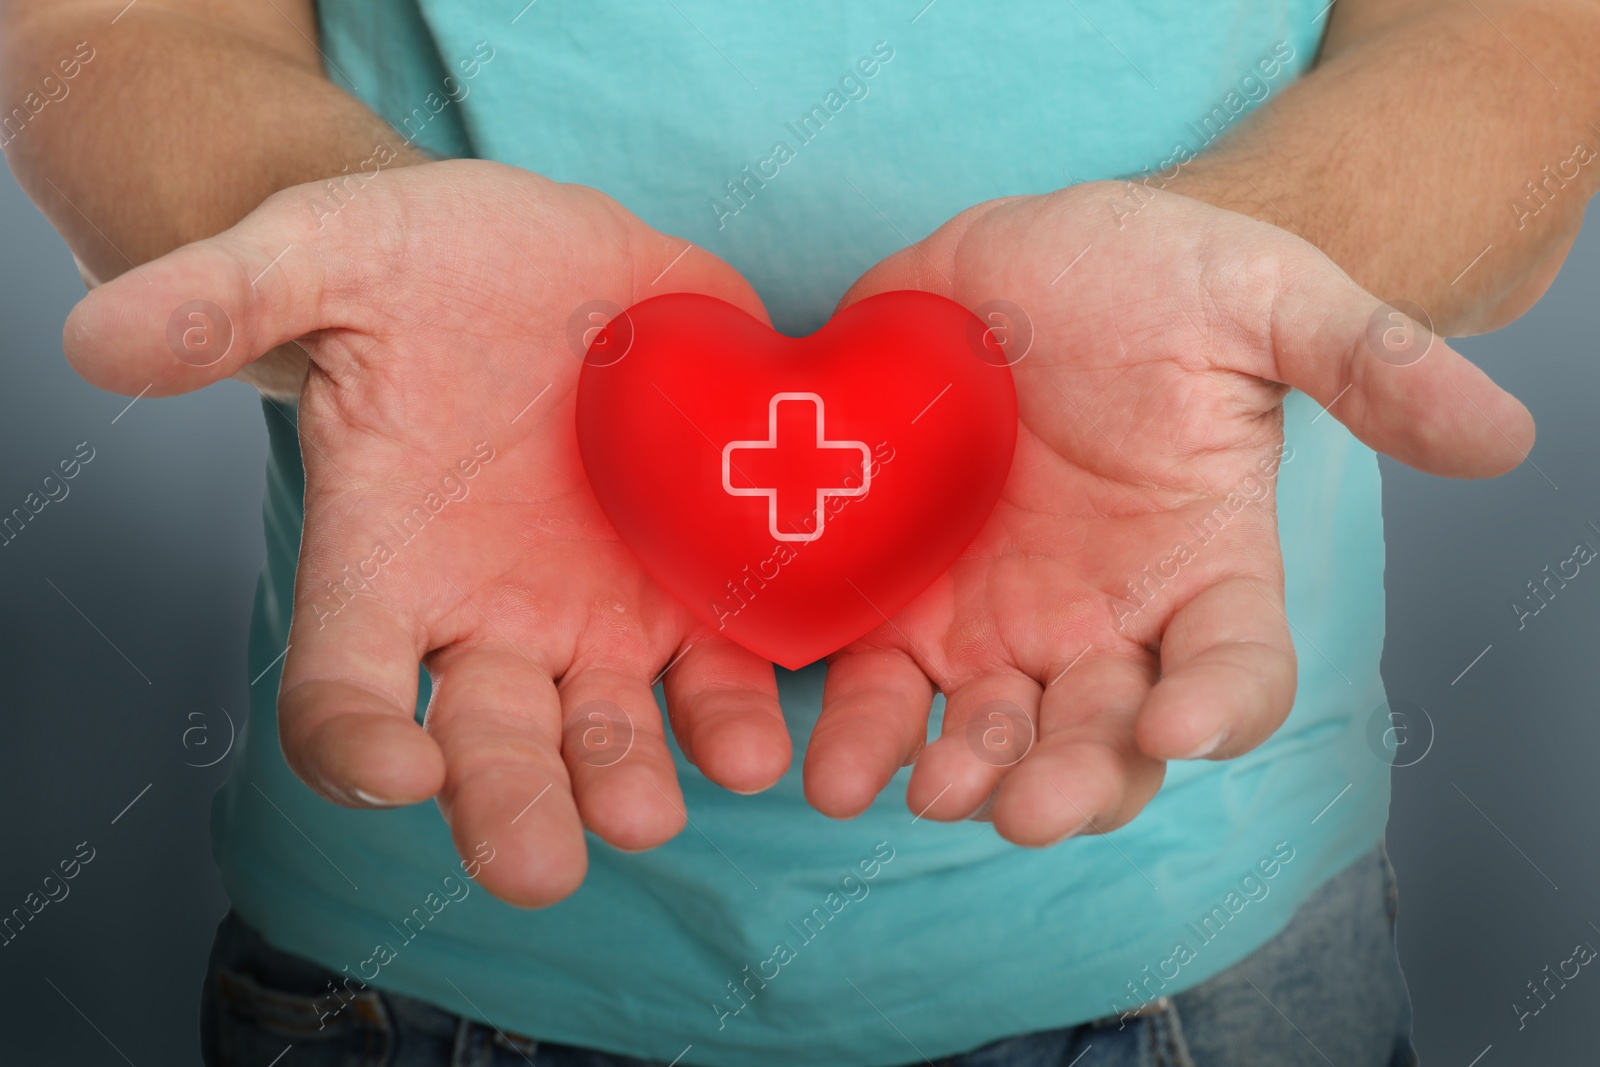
x: 447, y: 517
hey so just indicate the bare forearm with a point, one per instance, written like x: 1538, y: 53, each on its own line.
x: 180, y: 122
x: 1408, y: 152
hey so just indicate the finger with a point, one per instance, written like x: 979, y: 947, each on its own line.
x: 1227, y: 674
x: 928, y: 265
x: 989, y: 726
x: 347, y: 706
x: 1399, y: 388
x: 497, y: 718
x: 668, y: 264
x: 908, y: 268
x: 616, y: 753
x: 725, y: 714
x: 1086, y: 774
x: 874, y: 721
x: 202, y: 312
x: 199, y: 314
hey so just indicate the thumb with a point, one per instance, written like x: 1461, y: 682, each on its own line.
x: 200, y: 313
x: 929, y: 265
x: 905, y: 269
x: 1383, y: 373
x: 664, y: 264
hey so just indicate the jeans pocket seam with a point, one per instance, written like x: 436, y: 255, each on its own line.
x: 298, y: 1015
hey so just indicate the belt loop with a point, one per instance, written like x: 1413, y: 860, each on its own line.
x: 1167, y: 1046
x: 472, y: 1046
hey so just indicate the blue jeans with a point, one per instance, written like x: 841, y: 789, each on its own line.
x: 1326, y: 990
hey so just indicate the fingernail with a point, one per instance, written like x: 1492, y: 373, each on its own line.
x: 373, y: 801
x: 1210, y: 746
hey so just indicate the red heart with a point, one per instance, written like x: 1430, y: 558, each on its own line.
x: 796, y: 492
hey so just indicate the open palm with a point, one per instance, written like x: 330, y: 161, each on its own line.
x: 447, y: 518
x: 1124, y: 605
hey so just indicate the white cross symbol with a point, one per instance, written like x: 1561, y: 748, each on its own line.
x: 799, y: 471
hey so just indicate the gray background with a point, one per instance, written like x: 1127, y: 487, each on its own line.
x: 123, y: 633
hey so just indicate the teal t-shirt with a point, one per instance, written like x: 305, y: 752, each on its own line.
x: 767, y: 933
